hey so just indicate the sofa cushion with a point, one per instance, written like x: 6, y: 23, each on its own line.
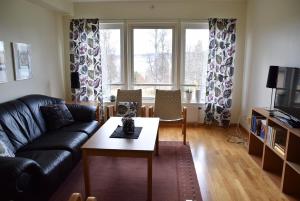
x: 6, y: 141
x: 56, y: 116
x: 87, y: 127
x: 5, y: 151
x: 70, y: 141
x: 34, y: 102
x: 50, y: 161
x: 18, y: 123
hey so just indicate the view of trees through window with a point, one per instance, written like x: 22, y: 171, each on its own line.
x: 110, y: 40
x: 195, y: 60
x: 152, y: 59
x: 152, y: 56
x: 151, y: 65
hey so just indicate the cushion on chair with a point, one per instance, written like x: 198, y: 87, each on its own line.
x: 168, y: 104
x: 57, y: 116
x: 130, y: 96
x: 127, y: 109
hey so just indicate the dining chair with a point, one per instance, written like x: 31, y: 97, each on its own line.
x: 169, y: 109
x: 130, y: 97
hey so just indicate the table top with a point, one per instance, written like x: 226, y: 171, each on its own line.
x: 146, y: 142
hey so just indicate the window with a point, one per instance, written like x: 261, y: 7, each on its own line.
x: 195, y: 41
x: 146, y: 56
x: 152, y: 59
x: 112, y: 58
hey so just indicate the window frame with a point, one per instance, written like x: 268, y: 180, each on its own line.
x: 183, y: 27
x: 120, y: 26
x: 178, y: 28
x: 152, y: 25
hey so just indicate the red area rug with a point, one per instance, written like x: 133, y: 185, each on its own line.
x: 116, y: 179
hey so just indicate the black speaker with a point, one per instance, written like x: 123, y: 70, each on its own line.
x: 272, y: 77
x: 75, y: 84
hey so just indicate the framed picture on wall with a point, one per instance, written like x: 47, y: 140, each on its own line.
x: 22, y: 61
x: 3, y: 75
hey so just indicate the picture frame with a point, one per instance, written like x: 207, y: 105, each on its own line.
x: 22, y: 61
x: 3, y: 71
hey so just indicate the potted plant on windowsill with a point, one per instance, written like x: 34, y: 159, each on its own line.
x: 197, y: 92
x: 188, y: 95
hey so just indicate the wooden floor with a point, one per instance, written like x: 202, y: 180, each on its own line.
x: 225, y: 170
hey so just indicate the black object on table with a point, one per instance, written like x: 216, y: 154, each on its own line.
x: 119, y: 133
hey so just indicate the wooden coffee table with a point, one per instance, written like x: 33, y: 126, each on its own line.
x: 100, y: 144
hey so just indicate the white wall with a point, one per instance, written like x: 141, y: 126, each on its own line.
x: 22, y: 21
x: 272, y: 38
x: 174, y: 10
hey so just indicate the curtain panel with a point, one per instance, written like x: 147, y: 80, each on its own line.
x: 219, y: 84
x: 85, y: 59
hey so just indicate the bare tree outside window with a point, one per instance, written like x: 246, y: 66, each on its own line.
x: 110, y: 41
x: 153, y: 56
x: 195, y: 60
x: 152, y: 59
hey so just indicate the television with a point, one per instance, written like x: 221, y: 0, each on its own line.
x: 287, y: 96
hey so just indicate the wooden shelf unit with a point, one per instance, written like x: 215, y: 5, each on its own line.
x: 284, y: 170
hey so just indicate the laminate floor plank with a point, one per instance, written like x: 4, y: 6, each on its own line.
x: 225, y: 170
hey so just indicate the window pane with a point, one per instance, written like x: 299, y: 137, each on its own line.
x: 152, y: 56
x: 195, y: 60
x: 110, y: 40
x: 149, y: 91
x: 109, y: 90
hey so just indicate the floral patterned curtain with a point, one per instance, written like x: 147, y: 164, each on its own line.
x: 222, y: 37
x: 85, y: 59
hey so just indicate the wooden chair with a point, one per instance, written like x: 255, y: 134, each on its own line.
x: 78, y: 197
x: 127, y: 96
x: 168, y: 108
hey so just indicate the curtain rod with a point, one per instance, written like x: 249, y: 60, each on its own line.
x: 137, y: 19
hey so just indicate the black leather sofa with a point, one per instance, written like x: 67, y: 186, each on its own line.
x: 42, y: 158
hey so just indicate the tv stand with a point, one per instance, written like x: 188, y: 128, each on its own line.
x: 290, y: 122
x: 283, y: 166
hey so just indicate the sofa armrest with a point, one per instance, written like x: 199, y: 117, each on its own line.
x: 83, y: 113
x: 18, y: 175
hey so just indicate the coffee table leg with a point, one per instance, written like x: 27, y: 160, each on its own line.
x: 149, y: 192
x: 86, y: 174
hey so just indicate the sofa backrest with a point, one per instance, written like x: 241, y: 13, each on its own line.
x: 34, y: 102
x: 18, y: 123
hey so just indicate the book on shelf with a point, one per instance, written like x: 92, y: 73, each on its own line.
x: 279, y: 149
x: 276, y: 137
x: 263, y: 128
x: 256, y: 124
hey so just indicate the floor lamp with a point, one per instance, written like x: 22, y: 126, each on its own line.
x: 272, y: 82
x: 75, y: 83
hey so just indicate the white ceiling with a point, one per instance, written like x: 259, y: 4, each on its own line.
x: 83, y: 1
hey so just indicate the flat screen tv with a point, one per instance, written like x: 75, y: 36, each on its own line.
x: 287, y: 96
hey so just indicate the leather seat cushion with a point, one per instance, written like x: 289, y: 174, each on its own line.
x: 87, y: 127
x: 50, y: 160
x: 70, y: 141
